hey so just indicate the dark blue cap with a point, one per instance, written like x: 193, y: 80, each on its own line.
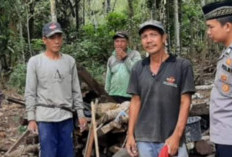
x: 51, y: 28
x: 217, y: 10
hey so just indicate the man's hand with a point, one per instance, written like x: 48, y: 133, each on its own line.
x: 131, y: 146
x: 173, y: 143
x: 33, y: 127
x: 121, y: 55
x: 82, y: 124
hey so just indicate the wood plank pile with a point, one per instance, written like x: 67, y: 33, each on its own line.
x: 110, y: 130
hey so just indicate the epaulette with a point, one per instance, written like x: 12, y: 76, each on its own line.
x: 228, y: 51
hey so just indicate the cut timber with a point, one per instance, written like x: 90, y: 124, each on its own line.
x: 200, y: 109
x: 111, y: 112
x: 17, y: 142
x: 92, y: 83
x: 204, y: 87
x: 15, y: 100
x: 93, y: 108
x: 89, y: 144
x: 111, y: 125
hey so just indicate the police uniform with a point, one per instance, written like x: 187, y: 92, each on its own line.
x: 221, y: 94
x: 221, y: 101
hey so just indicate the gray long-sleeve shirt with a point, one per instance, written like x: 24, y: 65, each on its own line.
x: 52, y: 82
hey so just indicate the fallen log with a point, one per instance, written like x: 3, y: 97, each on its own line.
x: 92, y: 83
x: 17, y: 142
x: 15, y: 100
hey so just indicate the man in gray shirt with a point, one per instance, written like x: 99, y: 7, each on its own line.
x: 52, y: 92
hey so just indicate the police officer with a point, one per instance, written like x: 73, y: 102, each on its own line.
x: 218, y: 17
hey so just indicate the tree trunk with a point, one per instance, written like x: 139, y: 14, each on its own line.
x: 31, y: 21
x: 28, y: 38
x: 77, y: 15
x: 153, y: 10
x: 83, y: 5
x: 177, y: 27
x: 53, y: 10
x: 168, y: 25
x: 21, y: 40
x: 162, y: 12
x: 131, y: 13
x: 114, y: 5
x: 108, y: 6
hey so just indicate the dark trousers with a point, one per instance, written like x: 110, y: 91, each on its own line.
x: 223, y: 150
x: 56, y: 139
x: 121, y: 99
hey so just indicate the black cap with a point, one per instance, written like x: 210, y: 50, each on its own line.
x: 217, y: 10
x: 51, y: 28
x: 121, y: 34
x: 151, y: 23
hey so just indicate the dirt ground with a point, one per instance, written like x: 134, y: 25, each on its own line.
x: 11, y: 118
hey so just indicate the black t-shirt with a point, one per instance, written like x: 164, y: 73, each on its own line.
x: 160, y: 96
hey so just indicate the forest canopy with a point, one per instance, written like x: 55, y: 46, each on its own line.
x: 89, y: 26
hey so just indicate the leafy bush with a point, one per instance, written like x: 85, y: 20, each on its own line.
x: 18, y: 78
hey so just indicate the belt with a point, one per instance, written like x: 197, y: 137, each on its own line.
x: 55, y: 106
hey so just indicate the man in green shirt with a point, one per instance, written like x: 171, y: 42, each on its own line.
x: 119, y: 67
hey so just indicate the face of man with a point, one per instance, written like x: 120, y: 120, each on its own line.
x: 53, y: 43
x: 121, y: 43
x: 216, y: 31
x: 153, y: 42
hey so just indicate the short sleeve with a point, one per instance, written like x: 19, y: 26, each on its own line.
x: 187, y: 78
x: 133, y: 82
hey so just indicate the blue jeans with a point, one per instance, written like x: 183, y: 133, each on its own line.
x: 223, y: 150
x: 56, y: 139
x: 152, y: 149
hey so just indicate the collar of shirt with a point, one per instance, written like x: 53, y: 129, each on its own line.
x: 171, y: 58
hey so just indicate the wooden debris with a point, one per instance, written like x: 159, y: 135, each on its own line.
x: 89, y: 144
x: 2, y: 134
x: 200, y: 109
x: 15, y: 100
x: 92, y: 83
x: 205, y: 147
x: 17, y: 142
x: 204, y: 87
x: 94, y: 124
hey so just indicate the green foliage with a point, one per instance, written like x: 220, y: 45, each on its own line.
x: 37, y: 44
x: 92, y: 44
x: 116, y: 21
x: 89, y: 55
x: 18, y: 78
x: 192, y: 26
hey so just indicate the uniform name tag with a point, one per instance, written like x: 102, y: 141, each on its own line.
x: 224, y: 67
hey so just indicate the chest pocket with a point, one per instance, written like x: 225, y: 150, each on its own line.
x: 223, y: 80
